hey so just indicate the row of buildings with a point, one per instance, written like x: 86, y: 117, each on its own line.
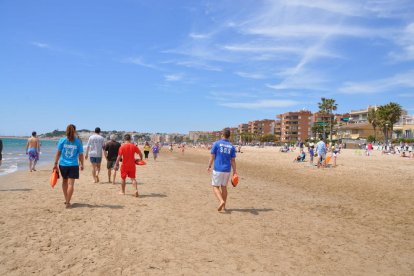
x: 303, y: 125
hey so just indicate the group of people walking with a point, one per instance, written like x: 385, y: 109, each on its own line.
x: 69, y: 159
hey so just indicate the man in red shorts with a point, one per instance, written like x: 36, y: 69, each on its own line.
x: 127, y: 153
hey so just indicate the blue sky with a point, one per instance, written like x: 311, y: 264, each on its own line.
x: 175, y: 66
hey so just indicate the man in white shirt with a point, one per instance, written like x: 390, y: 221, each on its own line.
x: 94, y: 149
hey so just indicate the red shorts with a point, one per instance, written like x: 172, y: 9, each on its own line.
x: 128, y: 172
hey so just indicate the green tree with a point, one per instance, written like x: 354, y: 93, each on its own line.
x: 373, y: 120
x: 328, y: 106
x: 388, y: 115
x: 398, y: 132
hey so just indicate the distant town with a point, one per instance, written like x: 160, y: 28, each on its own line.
x: 374, y: 123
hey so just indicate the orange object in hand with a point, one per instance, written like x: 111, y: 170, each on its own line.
x: 140, y: 162
x: 235, y: 180
x: 54, y: 178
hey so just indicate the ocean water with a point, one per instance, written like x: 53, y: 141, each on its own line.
x: 15, y: 158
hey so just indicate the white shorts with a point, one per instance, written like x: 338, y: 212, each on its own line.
x: 220, y: 178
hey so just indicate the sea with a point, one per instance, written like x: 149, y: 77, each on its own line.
x: 15, y: 158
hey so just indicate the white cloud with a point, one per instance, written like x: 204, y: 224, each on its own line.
x: 198, y: 65
x: 174, y: 77
x: 403, y: 80
x: 139, y: 61
x: 406, y: 40
x: 261, y: 104
x: 255, y: 76
x: 41, y: 45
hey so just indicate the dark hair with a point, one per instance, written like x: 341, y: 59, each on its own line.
x: 70, y: 132
x: 34, y: 133
x: 226, y: 133
x: 127, y: 137
x: 97, y: 130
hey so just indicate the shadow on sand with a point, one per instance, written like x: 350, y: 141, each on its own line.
x: 16, y: 190
x: 86, y: 205
x: 152, y: 195
x: 252, y: 211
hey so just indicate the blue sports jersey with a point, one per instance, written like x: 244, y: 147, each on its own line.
x: 69, y: 152
x: 224, y: 151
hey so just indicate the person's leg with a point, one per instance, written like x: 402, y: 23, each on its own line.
x: 71, y: 184
x: 113, y: 180
x: 219, y: 196
x: 65, y: 189
x: 224, y: 196
x: 94, y: 172
x: 98, y: 170
x: 135, y: 186
x: 123, y: 184
x: 34, y: 164
x: 30, y: 165
x: 109, y: 175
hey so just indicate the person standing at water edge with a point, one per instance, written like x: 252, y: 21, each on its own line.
x: 128, y: 168
x: 33, y: 150
x: 223, y: 154
x: 111, y: 153
x: 1, y: 150
x: 69, y: 155
x: 94, y: 148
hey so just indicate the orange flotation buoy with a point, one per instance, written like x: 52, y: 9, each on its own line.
x: 54, y: 178
x: 140, y: 162
x: 234, y: 180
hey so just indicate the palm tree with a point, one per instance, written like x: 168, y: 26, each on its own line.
x: 373, y: 120
x: 327, y: 106
x: 388, y: 115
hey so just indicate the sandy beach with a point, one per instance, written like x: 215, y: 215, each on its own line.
x: 284, y: 218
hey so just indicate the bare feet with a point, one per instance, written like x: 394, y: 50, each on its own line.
x: 68, y: 205
x: 121, y: 193
x: 97, y: 179
x: 136, y: 194
x: 221, y: 206
x: 109, y: 181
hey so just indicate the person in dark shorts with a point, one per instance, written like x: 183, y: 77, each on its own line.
x: 147, y: 149
x: 111, y: 153
x: 70, y: 157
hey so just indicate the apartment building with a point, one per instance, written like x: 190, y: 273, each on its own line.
x: 295, y: 126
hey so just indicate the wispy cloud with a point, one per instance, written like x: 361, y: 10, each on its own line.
x: 139, y: 61
x: 255, y: 76
x: 261, y: 104
x: 41, y: 45
x: 174, y: 77
x: 406, y: 40
x: 403, y: 80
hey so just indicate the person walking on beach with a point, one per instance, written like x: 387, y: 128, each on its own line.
x: 33, y: 150
x: 128, y: 168
x: 1, y: 151
x: 223, y: 154
x: 155, y: 150
x: 111, y: 153
x: 321, y: 151
x: 147, y: 149
x: 94, y: 149
x: 69, y: 156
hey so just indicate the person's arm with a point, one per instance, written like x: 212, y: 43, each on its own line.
x: 87, y: 149
x: 81, y: 161
x: 233, y: 165
x: 105, y: 151
x: 27, y: 146
x: 210, y: 162
x: 38, y: 145
x: 57, y: 157
x: 117, y: 162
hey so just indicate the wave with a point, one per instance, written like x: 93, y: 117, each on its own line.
x: 13, y: 168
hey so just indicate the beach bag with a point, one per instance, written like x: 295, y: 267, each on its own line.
x: 54, y: 178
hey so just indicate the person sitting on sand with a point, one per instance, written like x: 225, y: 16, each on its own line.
x: 33, y: 150
x: 69, y: 155
x: 300, y: 157
x: 128, y: 168
x: 223, y: 154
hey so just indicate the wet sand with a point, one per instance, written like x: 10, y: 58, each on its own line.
x: 284, y: 218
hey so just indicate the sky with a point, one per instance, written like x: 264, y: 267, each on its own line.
x: 176, y: 66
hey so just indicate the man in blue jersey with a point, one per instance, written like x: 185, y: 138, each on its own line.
x: 223, y: 154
